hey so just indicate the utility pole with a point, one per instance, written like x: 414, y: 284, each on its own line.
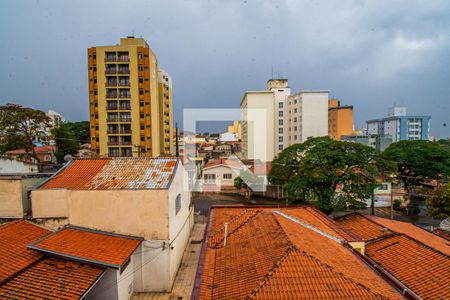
x: 177, y: 152
x: 392, y: 201
x: 373, y: 203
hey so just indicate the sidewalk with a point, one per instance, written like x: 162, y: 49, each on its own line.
x: 184, y: 280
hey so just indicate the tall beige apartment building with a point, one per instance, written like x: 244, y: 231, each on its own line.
x: 130, y: 101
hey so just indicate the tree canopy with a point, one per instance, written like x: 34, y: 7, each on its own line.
x: 21, y: 127
x: 313, y: 171
x: 438, y: 202
x: 80, y: 130
x: 417, y: 160
x: 65, y: 140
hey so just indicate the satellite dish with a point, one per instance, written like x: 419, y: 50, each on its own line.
x: 68, y: 157
x: 445, y: 224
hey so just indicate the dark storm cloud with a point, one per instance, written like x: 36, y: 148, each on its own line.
x: 370, y: 54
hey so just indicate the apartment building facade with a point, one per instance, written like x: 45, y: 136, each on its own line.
x: 126, y: 113
x: 401, y: 126
x: 165, y: 106
x: 281, y: 90
x: 306, y: 116
x: 340, y: 119
x: 257, y: 109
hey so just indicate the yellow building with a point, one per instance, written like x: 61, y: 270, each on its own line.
x: 235, y: 128
x: 126, y: 114
x: 165, y: 107
x: 340, y: 119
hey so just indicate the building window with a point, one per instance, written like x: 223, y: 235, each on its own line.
x: 139, y: 55
x: 227, y: 176
x: 140, y: 68
x: 280, y: 122
x: 280, y: 130
x: 177, y: 204
x: 47, y: 158
x: 280, y: 105
x: 383, y: 187
x: 280, y: 113
x: 280, y: 147
x: 280, y: 139
x: 210, y: 178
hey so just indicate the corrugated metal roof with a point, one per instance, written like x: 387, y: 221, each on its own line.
x: 115, y: 173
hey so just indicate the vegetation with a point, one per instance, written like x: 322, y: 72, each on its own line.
x: 438, y: 202
x: 418, y: 160
x: 80, y: 130
x: 239, y: 183
x: 311, y: 172
x: 65, y: 140
x: 21, y: 127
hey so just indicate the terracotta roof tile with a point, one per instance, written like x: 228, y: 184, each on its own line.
x: 422, y: 269
x: 363, y: 226
x: 114, y: 173
x: 51, y: 278
x: 415, y: 232
x: 88, y: 246
x: 28, y: 274
x: 268, y: 256
x: 14, y: 238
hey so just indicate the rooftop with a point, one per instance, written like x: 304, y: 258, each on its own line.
x: 88, y: 246
x: 28, y: 274
x: 114, y: 174
x: 415, y: 257
x: 286, y: 253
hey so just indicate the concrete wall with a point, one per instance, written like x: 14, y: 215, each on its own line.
x: 314, y: 115
x: 105, y: 287
x: 10, y: 166
x: 11, y: 198
x: 132, y: 212
x: 219, y: 171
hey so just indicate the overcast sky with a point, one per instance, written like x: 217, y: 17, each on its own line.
x: 369, y: 54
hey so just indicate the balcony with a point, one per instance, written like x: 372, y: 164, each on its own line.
x: 113, y: 143
x: 121, y: 83
x: 123, y: 59
x: 112, y: 119
x: 110, y: 59
x: 125, y: 95
x: 124, y: 71
x: 124, y: 119
x: 125, y: 107
x: 112, y: 83
x: 111, y: 95
x: 126, y: 143
x: 110, y: 71
x: 113, y: 131
x: 128, y: 131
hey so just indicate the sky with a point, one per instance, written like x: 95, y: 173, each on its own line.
x: 369, y: 54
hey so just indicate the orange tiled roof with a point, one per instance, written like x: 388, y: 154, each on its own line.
x: 415, y: 232
x: 37, y: 149
x: 14, y: 238
x: 363, y: 226
x: 89, y: 246
x: 28, y: 274
x: 422, y: 269
x: 51, y: 278
x: 114, y: 173
x: 226, y: 162
x: 268, y: 256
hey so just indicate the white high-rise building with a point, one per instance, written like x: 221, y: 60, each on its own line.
x: 306, y: 115
x: 281, y: 91
x: 290, y: 119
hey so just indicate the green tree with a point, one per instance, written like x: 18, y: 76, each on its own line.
x: 66, y: 141
x: 312, y: 171
x: 438, y: 202
x: 21, y: 127
x: 80, y: 130
x: 417, y: 160
x: 238, y: 183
